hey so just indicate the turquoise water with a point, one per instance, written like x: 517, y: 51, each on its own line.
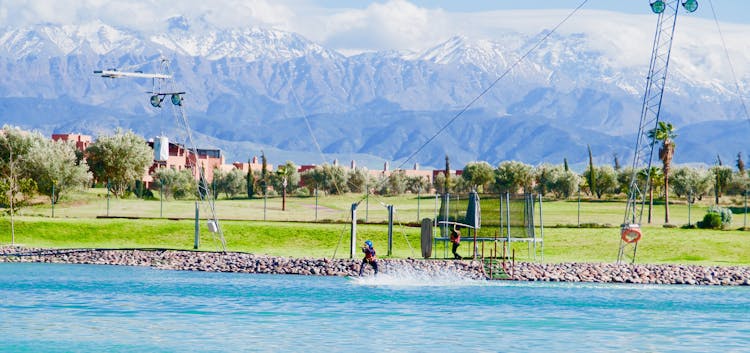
x: 86, y: 308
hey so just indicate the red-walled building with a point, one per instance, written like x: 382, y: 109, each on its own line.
x: 82, y: 141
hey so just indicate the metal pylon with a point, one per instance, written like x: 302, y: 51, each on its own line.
x: 644, y: 147
x: 159, y: 94
x: 205, y: 196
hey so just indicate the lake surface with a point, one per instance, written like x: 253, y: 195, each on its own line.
x: 89, y: 308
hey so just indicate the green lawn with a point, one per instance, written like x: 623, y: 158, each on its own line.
x: 409, y: 209
x: 296, y: 239
x: 304, y: 231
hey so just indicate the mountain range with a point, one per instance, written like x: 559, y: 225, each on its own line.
x: 253, y: 89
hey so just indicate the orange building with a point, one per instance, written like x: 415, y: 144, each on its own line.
x: 82, y: 141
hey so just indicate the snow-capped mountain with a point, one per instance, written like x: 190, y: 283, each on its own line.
x: 251, y: 88
x: 248, y: 44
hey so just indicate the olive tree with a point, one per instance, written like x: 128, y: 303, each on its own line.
x: 543, y: 176
x: 605, y: 181
x: 511, y: 176
x: 326, y: 177
x: 394, y: 184
x: 287, y: 172
x: 56, y: 168
x: 691, y: 182
x: 555, y: 179
x: 174, y: 183
x: 16, y: 189
x: 231, y: 183
x: 722, y: 177
x: 439, y: 183
x: 479, y: 175
x: 358, y: 180
x: 416, y: 184
x: 119, y: 159
x: 17, y: 185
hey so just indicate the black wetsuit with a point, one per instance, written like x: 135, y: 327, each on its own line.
x: 369, y: 259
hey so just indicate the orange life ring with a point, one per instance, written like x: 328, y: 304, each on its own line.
x: 626, y: 235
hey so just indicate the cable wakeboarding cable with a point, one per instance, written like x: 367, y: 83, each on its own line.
x: 731, y: 67
x: 312, y: 135
x: 505, y: 73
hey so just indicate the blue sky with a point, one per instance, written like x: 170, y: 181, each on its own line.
x: 737, y: 11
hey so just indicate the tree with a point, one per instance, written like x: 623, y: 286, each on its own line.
x: 119, y: 159
x: 740, y: 164
x: 478, y: 174
x: 664, y: 132
x: 16, y: 189
x: 623, y: 180
x: 690, y: 182
x: 565, y: 183
x: 250, y: 180
x: 285, y: 179
x: 173, y: 183
x: 55, y: 168
x: 722, y: 177
x: 512, y: 176
x: 738, y: 185
x: 591, y: 176
x: 543, y: 175
x: 289, y: 172
x: 654, y: 174
x: 447, y: 186
x: 417, y: 184
x: 440, y: 183
x: 557, y: 180
x: 15, y: 193
x: 617, y: 163
x: 263, y: 173
x: 358, y: 180
x: 461, y: 185
x: 605, y: 181
x: 394, y: 184
x: 231, y: 183
x: 331, y: 179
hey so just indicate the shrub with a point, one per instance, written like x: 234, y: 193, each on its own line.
x: 301, y: 192
x: 725, y: 213
x: 711, y: 220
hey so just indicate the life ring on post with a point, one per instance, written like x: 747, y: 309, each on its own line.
x: 631, y: 234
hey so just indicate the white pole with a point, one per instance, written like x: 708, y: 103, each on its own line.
x: 390, y: 229
x: 197, y: 241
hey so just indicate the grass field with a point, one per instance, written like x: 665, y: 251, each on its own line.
x: 296, y: 233
x: 409, y: 209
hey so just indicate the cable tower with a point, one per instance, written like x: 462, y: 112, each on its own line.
x: 163, y: 87
x: 630, y: 232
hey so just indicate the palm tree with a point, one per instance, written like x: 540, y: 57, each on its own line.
x: 664, y: 132
x: 654, y: 174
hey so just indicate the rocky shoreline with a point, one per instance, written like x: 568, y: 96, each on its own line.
x: 520, y: 271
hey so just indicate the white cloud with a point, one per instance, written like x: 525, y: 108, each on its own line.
x: 393, y: 25
x: 146, y: 15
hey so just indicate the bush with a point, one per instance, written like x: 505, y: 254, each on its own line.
x: 711, y: 220
x: 301, y: 192
x: 725, y: 213
x: 272, y: 193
